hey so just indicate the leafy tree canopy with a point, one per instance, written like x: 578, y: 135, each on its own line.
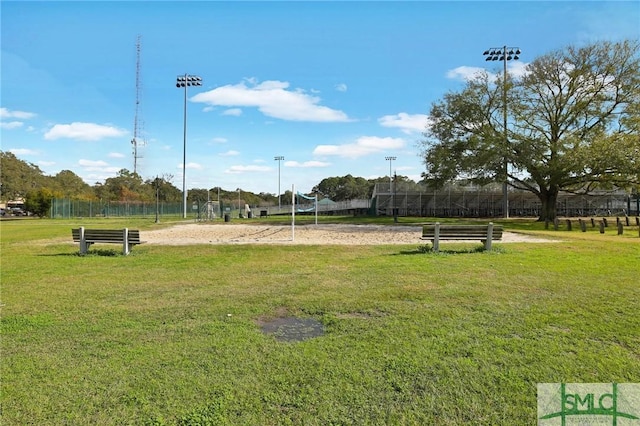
x: 18, y: 177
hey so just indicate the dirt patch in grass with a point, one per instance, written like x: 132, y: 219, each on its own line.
x: 292, y: 329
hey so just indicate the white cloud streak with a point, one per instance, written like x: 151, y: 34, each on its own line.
x: 83, y: 131
x: 516, y: 69
x: 98, y: 166
x: 464, y: 73
x: 235, y: 112
x: 11, y: 125
x: 306, y: 164
x: 193, y: 166
x: 365, y: 145
x: 242, y: 169
x: 341, y: 87
x: 23, y: 151
x: 407, y: 123
x: 273, y: 99
x: 21, y: 115
x: 92, y: 163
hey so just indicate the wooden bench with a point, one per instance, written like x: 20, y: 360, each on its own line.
x: 127, y: 237
x: 484, y: 233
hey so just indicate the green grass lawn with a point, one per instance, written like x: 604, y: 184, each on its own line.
x: 171, y: 335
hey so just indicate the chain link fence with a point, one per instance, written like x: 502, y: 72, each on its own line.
x: 65, y: 208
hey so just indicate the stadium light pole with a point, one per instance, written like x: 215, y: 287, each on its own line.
x: 185, y: 81
x: 504, y: 54
x: 279, y: 158
x: 390, y: 159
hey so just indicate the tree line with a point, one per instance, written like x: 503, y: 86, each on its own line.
x: 22, y: 180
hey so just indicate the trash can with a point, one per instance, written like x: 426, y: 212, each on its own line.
x: 227, y: 218
x: 249, y: 215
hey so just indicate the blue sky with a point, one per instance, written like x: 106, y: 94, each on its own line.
x: 333, y: 87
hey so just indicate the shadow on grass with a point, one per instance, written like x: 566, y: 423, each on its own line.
x: 90, y: 253
x: 428, y: 250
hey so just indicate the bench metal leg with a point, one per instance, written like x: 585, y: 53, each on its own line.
x: 125, y: 243
x: 487, y: 243
x: 83, y: 242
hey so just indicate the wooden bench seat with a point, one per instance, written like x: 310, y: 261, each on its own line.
x: 86, y: 237
x: 484, y: 233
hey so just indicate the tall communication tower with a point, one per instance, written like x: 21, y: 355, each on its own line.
x: 135, y: 142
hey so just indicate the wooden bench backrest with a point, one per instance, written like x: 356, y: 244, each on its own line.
x: 461, y: 231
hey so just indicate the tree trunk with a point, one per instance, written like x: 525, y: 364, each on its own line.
x: 548, y: 199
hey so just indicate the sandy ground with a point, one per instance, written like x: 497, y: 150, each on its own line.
x: 302, y: 234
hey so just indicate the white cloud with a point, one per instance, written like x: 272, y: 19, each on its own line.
x: 306, y: 164
x: 46, y: 163
x: 11, y: 124
x: 408, y: 123
x: 208, y: 109
x: 516, y: 69
x: 92, y: 163
x: 364, y: 145
x: 83, y: 131
x: 115, y: 155
x: 98, y: 166
x: 464, y: 73
x: 219, y: 140
x: 229, y: 153
x: 273, y: 99
x: 405, y: 168
x: 251, y: 168
x: 22, y: 115
x: 341, y: 87
x: 194, y: 166
x: 236, y: 112
x: 23, y: 151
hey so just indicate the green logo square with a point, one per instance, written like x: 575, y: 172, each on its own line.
x: 569, y: 404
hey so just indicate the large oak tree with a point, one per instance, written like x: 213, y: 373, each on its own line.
x: 573, y: 125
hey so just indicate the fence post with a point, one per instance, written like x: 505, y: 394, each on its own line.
x: 583, y: 225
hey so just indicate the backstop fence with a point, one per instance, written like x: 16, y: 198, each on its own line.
x: 487, y: 201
